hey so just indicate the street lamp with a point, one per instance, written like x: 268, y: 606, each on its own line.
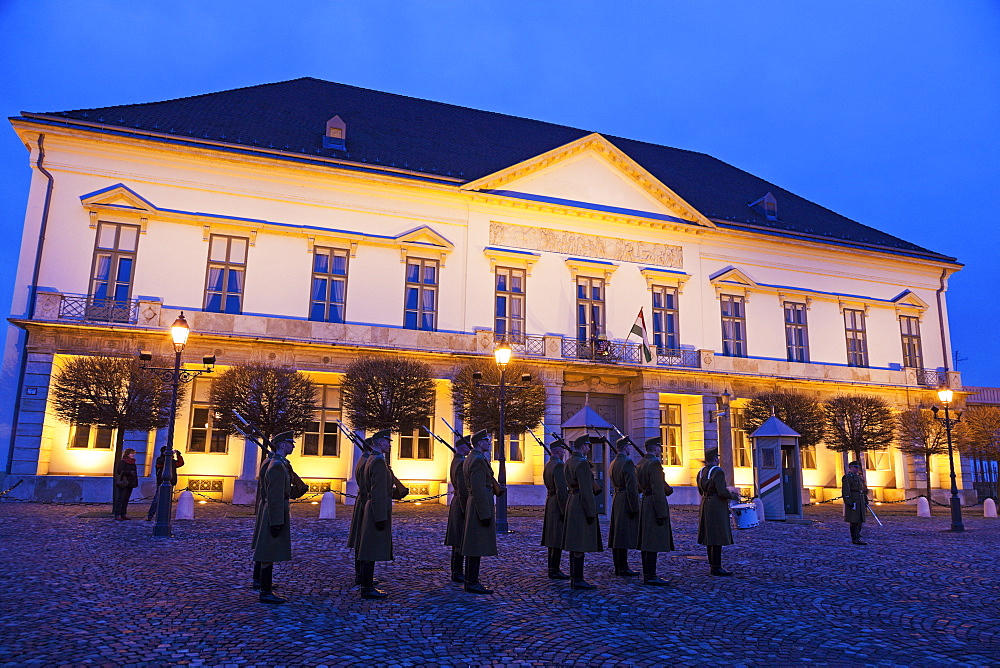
x: 945, y: 396
x: 175, y: 376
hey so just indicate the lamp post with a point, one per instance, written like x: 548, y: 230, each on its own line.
x: 502, y: 355
x: 945, y: 396
x: 175, y: 376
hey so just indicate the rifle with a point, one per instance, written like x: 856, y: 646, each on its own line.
x: 456, y: 432
x: 539, y: 442
x: 627, y: 438
x: 354, y: 438
x: 603, y: 439
x: 438, y: 438
x: 251, y: 433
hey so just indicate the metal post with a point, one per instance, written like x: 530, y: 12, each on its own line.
x: 165, y: 491
x: 502, y: 525
x: 956, y: 503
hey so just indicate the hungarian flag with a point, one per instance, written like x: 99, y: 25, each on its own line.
x: 639, y: 329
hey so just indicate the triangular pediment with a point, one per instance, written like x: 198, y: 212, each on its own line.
x: 119, y: 196
x: 908, y: 298
x: 732, y: 275
x: 591, y: 173
x: 426, y: 236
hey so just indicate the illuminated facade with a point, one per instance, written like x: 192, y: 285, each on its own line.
x: 305, y: 223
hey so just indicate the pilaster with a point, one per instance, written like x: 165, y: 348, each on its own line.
x: 27, y: 459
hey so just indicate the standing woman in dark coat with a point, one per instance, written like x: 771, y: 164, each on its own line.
x: 274, y: 537
x: 455, y: 530
x: 480, y: 537
x: 125, y: 480
x: 655, y: 533
x: 556, y: 496
x: 714, y: 528
x: 623, y: 534
x: 583, y: 532
x: 358, y: 512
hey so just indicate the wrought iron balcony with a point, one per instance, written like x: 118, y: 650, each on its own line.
x: 932, y: 378
x: 85, y: 308
x: 527, y: 344
x: 670, y: 357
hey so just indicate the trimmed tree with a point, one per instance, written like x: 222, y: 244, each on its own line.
x: 112, y: 392
x: 387, y: 393
x: 978, y: 434
x: 861, y: 423
x: 797, y: 410
x: 479, y: 407
x: 922, y: 436
x: 275, y: 399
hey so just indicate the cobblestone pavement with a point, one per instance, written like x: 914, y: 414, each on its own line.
x: 79, y: 588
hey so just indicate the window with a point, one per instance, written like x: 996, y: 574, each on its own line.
x: 666, y: 322
x: 329, y: 285
x: 909, y: 327
x: 670, y: 434
x: 203, y: 437
x: 111, y: 274
x: 91, y: 436
x: 416, y: 444
x: 421, y: 294
x: 857, y: 343
x: 796, y: 333
x: 509, y: 309
x: 589, y: 308
x: 227, y: 260
x: 742, y: 452
x: 515, y: 448
x: 808, y: 455
x: 734, y: 326
x: 878, y: 461
x: 322, y: 436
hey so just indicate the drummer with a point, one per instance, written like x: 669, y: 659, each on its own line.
x: 714, y: 529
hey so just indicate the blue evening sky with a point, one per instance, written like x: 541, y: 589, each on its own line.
x: 886, y: 112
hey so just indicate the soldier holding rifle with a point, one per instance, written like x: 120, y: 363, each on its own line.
x: 357, y: 513
x: 583, y: 532
x: 855, y: 495
x: 374, y: 541
x: 714, y: 528
x: 455, y: 531
x: 273, y: 537
x: 623, y: 534
x: 480, y: 536
x: 556, y: 496
x: 655, y: 533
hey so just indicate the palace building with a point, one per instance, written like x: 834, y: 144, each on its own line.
x: 305, y: 223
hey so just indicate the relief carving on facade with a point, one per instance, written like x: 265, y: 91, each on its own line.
x: 585, y: 245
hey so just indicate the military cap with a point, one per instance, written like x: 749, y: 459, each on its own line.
x: 712, y: 453
x: 624, y: 441
x: 656, y: 442
x: 855, y: 463
x: 463, y: 441
x: 558, y: 443
x: 283, y: 436
x: 586, y: 439
x: 480, y: 435
x: 385, y: 433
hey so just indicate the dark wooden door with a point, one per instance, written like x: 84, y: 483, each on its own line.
x: 611, y: 407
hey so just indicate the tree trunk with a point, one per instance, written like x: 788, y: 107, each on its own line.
x: 927, y: 472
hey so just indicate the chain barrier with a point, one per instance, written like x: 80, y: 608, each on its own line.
x: 6, y: 491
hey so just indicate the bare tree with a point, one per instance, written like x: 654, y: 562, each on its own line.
x: 921, y: 435
x: 387, y: 393
x: 797, y: 410
x: 978, y: 435
x: 479, y: 406
x: 275, y: 399
x: 111, y: 392
x: 856, y: 424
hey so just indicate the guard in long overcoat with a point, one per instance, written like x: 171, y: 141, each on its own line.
x: 855, y: 494
x: 358, y: 512
x: 583, y: 532
x: 273, y: 535
x: 257, y: 504
x: 455, y: 530
x: 714, y: 527
x: 374, y: 542
x: 556, y: 496
x: 480, y: 537
x: 623, y: 534
x: 655, y: 532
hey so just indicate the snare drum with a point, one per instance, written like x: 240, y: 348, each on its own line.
x: 744, y: 515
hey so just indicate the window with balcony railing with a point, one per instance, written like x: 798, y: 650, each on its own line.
x: 111, y: 274
x: 509, y: 304
x: 589, y: 308
x: 666, y: 319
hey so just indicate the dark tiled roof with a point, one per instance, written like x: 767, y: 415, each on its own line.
x: 446, y: 140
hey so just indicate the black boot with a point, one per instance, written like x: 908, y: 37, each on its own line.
x: 256, y: 576
x: 457, y: 563
x: 576, y: 572
x: 649, y: 576
x: 368, y: 589
x: 856, y: 534
x: 715, y: 559
x: 472, y: 584
x: 555, y: 573
x: 267, y: 594
x: 621, y: 563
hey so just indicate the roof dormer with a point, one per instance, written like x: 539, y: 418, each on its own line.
x: 336, y: 134
x: 766, y: 205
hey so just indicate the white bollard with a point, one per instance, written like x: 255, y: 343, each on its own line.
x: 989, y: 508
x: 185, y: 506
x: 328, y: 507
x: 923, y: 507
